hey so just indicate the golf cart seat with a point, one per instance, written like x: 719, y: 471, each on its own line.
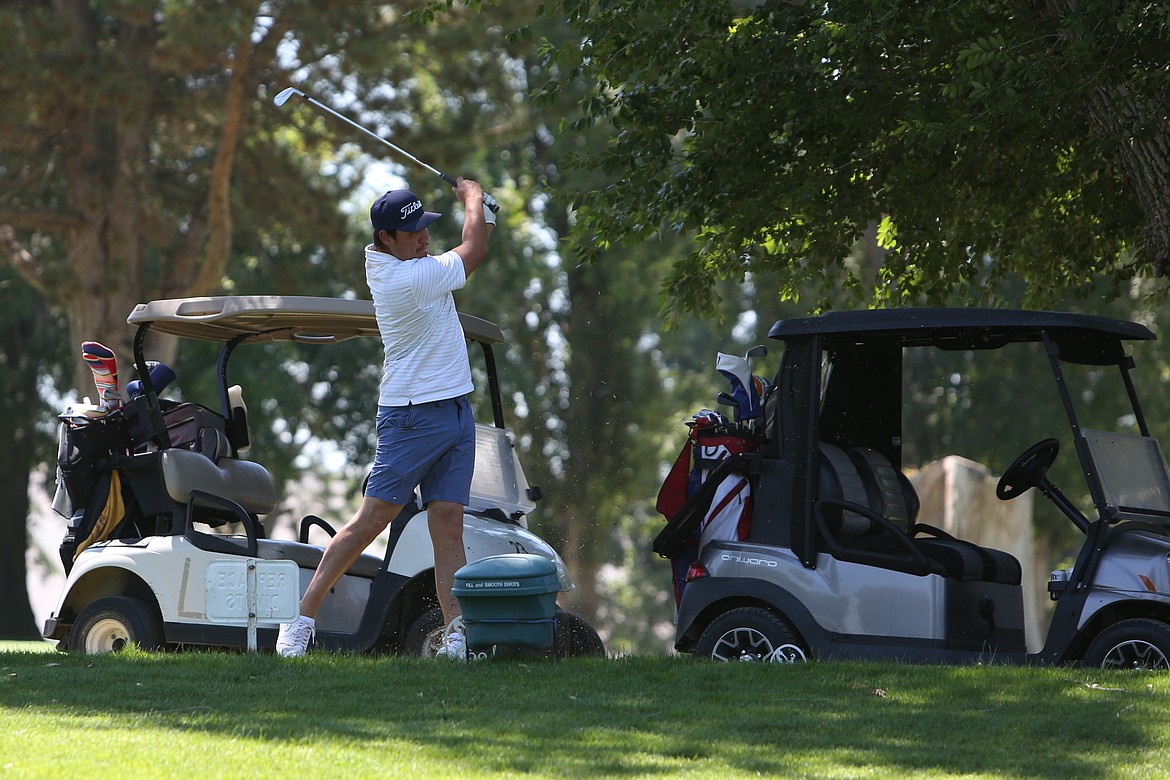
x: 850, y: 529
x: 840, y: 480
x: 894, y: 497
x: 881, y: 539
x: 244, y: 482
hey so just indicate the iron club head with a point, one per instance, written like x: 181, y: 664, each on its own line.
x: 283, y: 96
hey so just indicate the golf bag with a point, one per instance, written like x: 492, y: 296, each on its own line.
x: 89, y: 491
x: 727, y: 514
x: 108, y: 484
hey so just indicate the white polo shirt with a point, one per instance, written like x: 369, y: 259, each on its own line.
x: 426, y: 352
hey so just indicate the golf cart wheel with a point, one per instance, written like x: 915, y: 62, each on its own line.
x: 575, y: 638
x: 750, y: 634
x: 109, y: 625
x: 1139, y: 644
x: 425, y: 635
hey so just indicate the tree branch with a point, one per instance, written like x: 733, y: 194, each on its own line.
x: 219, y: 193
x: 43, y: 220
x: 20, y: 258
x: 20, y: 139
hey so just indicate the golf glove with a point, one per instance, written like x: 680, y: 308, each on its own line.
x: 489, y: 216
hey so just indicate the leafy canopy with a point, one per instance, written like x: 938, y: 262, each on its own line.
x: 973, y: 142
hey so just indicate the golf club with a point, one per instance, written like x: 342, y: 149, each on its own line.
x: 283, y: 96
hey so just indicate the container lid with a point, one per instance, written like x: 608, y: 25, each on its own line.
x: 505, y: 571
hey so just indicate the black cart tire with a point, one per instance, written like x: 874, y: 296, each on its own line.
x: 425, y: 635
x: 575, y: 638
x: 750, y: 634
x: 1140, y: 644
x: 111, y: 624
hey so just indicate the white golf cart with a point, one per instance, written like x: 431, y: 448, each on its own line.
x: 168, y: 512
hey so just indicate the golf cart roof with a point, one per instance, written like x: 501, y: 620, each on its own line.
x: 958, y: 328
x: 278, y: 318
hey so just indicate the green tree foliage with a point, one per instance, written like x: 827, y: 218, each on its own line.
x: 986, y: 139
x: 138, y: 134
x: 191, y: 182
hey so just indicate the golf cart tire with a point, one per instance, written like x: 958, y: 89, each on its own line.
x: 425, y: 634
x: 1139, y: 643
x: 575, y: 638
x: 109, y: 625
x: 750, y: 634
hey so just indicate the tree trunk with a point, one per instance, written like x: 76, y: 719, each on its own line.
x: 589, y: 437
x: 1132, y: 113
x: 20, y: 356
x: 1139, y: 128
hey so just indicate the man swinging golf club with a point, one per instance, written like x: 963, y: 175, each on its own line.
x: 426, y: 434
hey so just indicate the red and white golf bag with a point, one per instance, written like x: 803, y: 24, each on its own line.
x: 729, y: 514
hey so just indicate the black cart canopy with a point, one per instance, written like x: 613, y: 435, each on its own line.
x: 1082, y: 338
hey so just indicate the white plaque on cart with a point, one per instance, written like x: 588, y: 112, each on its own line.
x: 276, y: 587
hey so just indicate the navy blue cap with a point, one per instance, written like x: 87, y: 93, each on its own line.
x: 400, y: 210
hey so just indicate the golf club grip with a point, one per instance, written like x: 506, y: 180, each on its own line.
x: 488, y: 200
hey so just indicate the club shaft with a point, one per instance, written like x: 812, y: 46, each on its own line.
x: 377, y: 137
x: 288, y: 92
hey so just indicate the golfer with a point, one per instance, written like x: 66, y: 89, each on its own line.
x: 426, y: 434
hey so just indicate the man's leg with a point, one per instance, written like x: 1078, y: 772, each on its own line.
x: 355, y: 536
x: 369, y: 521
x: 445, y: 519
x: 446, y: 488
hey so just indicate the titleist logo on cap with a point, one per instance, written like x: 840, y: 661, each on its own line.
x: 400, y: 210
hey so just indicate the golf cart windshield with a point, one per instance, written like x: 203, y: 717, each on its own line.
x: 1133, y: 474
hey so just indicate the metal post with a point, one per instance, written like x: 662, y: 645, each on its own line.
x: 251, y: 605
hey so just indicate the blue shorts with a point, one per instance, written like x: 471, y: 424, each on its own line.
x: 430, y: 445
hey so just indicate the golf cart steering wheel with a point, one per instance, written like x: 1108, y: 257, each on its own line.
x: 1027, y: 471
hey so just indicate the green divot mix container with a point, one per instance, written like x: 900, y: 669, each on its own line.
x: 508, y: 600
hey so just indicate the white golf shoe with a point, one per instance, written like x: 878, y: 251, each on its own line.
x: 454, y: 646
x: 293, y: 639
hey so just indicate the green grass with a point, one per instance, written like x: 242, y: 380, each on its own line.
x: 224, y: 715
x: 31, y: 646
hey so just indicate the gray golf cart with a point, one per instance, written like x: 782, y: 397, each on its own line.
x: 835, y: 564
x: 164, y: 566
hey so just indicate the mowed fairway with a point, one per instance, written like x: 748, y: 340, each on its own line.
x: 229, y: 715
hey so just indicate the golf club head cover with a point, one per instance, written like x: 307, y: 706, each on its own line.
x: 739, y: 374
x: 104, y: 364
x: 161, y: 375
